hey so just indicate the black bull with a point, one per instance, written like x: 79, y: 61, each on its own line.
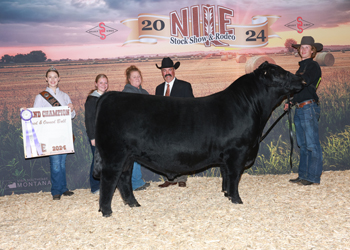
x: 177, y: 136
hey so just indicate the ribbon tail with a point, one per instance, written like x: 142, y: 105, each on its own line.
x: 32, y: 135
x: 28, y: 149
x: 36, y: 142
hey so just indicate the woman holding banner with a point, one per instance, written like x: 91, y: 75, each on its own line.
x: 101, y: 86
x: 57, y: 162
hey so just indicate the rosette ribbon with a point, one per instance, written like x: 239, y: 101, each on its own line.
x: 32, y: 144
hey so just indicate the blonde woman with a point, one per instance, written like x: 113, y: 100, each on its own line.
x: 101, y: 86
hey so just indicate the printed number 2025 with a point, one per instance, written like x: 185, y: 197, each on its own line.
x: 253, y: 38
x: 158, y: 25
x: 58, y: 148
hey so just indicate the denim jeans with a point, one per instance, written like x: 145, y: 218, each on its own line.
x: 94, y: 183
x: 306, y: 126
x: 136, y: 178
x: 58, y: 174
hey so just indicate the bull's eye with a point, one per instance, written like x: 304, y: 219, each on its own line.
x: 265, y: 73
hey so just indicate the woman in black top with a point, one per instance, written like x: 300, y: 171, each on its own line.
x: 101, y: 86
x: 307, y: 114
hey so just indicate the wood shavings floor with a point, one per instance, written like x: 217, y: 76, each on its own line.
x: 276, y: 214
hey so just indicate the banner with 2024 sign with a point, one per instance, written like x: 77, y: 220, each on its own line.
x: 47, y: 131
x: 192, y: 28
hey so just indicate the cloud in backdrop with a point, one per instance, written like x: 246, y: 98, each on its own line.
x: 65, y: 22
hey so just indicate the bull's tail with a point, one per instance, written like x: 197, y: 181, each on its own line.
x: 97, y: 164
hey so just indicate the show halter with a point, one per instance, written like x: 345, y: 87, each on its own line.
x: 290, y: 129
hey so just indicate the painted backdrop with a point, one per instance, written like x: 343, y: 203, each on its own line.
x: 215, y: 41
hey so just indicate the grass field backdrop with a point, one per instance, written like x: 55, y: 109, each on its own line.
x: 20, y: 83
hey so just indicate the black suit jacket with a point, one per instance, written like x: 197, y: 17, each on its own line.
x: 180, y: 89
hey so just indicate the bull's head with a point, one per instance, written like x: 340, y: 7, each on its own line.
x: 275, y: 76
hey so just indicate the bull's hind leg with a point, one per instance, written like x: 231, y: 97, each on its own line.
x: 97, y: 164
x: 108, y: 182
x: 125, y: 188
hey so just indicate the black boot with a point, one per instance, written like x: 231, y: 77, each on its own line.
x: 295, y: 180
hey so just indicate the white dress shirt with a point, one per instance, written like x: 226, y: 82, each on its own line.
x: 171, y: 86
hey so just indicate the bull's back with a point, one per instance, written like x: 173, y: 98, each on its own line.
x: 158, y: 120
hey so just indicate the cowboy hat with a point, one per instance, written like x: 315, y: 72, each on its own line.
x: 309, y: 40
x: 168, y: 63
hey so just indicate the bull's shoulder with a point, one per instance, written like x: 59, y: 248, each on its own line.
x: 247, y: 81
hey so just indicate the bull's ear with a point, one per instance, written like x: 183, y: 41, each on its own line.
x: 264, y: 64
x: 264, y: 68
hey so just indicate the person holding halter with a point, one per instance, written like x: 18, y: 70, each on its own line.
x: 307, y: 114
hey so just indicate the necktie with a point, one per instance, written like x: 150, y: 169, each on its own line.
x: 167, y: 93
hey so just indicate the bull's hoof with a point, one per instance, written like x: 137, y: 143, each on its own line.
x: 236, y: 201
x: 106, y: 215
x: 134, y: 205
x: 226, y: 194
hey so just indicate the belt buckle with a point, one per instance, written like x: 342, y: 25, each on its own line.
x: 305, y: 103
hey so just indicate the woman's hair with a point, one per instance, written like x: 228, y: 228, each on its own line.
x: 98, y: 77
x: 128, y: 72
x: 313, y: 53
x: 52, y: 69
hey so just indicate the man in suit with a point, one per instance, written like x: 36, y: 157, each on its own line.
x: 173, y: 87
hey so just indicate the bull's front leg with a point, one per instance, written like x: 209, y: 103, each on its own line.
x: 234, y: 173
x: 223, y: 170
x: 108, y: 183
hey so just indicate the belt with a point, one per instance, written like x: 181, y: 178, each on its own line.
x: 300, y: 105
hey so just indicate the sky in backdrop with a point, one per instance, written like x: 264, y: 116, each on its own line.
x: 58, y: 27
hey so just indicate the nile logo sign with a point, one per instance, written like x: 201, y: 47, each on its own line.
x: 204, y: 24
x: 299, y: 25
x: 101, y: 31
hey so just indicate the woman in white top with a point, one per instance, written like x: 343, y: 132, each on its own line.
x: 57, y: 162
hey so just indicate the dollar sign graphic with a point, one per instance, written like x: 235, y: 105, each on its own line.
x: 102, y: 30
x: 300, y: 24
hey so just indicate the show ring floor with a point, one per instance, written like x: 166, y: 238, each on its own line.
x: 276, y: 214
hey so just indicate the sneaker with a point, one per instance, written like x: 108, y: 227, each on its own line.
x: 96, y: 192
x: 68, y: 193
x: 56, y: 197
x: 146, y: 185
